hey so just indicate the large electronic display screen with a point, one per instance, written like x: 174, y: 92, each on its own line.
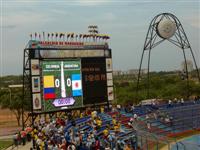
x: 94, y: 80
x: 61, y: 84
x: 70, y: 83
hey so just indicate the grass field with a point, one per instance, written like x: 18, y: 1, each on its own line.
x: 5, y: 143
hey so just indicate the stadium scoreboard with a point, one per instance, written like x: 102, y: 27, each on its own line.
x: 70, y: 75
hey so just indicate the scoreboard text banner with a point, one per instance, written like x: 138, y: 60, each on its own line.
x: 71, y: 53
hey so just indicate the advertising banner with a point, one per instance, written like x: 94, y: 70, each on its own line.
x: 35, y: 84
x: 110, y: 93
x: 37, y: 101
x: 108, y: 64
x: 35, y: 67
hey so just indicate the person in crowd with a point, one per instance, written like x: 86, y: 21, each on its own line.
x: 147, y: 117
x: 132, y: 108
x: 171, y: 121
x: 77, y: 141
x: 89, y: 142
x: 130, y: 123
x: 118, y: 107
x: 169, y: 103
x: 167, y: 120
x: 15, y: 139
x: 71, y: 147
x: 97, y: 144
x: 117, y: 127
x: 182, y: 101
x: 155, y: 116
x: 28, y: 130
x: 105, y: 133
x: 23, y: 136
x: 65, y: 132
x: 135, y: 117
x: 133, y: 141
x: 81, y: 115
x: 176, y: 101
x: 127, y: 147
x: 107, y: 147
x: 198, y: 98
x: 102, y: 109
x: 148, y: 125
x: 153, y: 104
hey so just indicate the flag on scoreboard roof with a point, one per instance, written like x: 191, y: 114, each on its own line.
x: 76, y: 85
x: 49, y: 88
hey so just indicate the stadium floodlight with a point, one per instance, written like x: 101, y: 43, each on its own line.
x: 166, y: 27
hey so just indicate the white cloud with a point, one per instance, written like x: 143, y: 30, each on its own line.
x: 193, y: 19
x: 110, y: 16
x: 20, y: 4
x: 107, y: 17
x: 195, y: 22
x: 8, y: 26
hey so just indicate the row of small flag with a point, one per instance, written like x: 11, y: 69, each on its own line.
x: 69, y: 35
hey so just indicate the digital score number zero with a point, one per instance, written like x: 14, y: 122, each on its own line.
x: 57, y: 82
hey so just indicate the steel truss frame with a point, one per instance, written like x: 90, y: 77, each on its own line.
x: 152, y: 40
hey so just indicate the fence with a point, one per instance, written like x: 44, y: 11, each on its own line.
x: 185, y: 118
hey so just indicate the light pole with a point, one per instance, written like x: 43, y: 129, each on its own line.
x: 115, y: 93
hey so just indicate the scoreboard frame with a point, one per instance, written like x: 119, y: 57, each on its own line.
x: 34, y: 53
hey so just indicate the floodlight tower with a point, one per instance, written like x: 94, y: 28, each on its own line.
x: 166, y: 26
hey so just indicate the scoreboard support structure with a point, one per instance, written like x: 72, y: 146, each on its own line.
x: 94, y: 62
x: 26, y: 82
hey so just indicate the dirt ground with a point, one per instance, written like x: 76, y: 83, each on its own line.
x: 8, y: 122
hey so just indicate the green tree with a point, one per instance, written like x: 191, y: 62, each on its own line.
x: 164, y: 85
x: 14, y: 104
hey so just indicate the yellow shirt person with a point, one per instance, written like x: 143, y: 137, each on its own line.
x: 105, y: 132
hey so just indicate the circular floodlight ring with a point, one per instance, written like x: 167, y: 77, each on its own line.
x: 166, y: 28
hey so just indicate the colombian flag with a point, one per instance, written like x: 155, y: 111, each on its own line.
x: 49, y: 88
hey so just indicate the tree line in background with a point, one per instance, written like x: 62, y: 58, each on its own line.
x: 12, y: 98
x: 163, y: 85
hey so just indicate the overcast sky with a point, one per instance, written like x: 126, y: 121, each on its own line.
x: 126, y: 21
